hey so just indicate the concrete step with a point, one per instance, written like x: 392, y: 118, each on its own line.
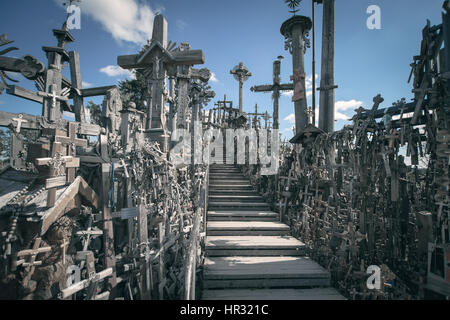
x: 247, y: 228
x: 228, y: 186
x: 228, y: 178
x: 228, y: 215
x: 236, y: 198
x: 253, y: 246
x: 263, y: 272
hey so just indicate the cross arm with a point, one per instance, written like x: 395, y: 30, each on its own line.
x: 94, y: 92
x: 32, y: 122
x: 24, y: 94
x: 263, y: 88
x: 189, y: 57
x: 286, y: 87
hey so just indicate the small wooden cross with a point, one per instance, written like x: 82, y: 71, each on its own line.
x: 19, y: 121
x: 32, y: 254
x: 57, y: 166
x: 63, y: 247
x: 392, y: 137
x: 71, y: 142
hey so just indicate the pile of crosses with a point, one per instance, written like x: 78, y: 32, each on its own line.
x: 99, y: 211
x: 352, y: 199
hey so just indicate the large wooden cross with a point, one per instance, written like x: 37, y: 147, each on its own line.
x: 157, y: 62
x: 276, y: 87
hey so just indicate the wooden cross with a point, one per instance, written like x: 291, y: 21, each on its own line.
x: 392, y: 138
x: 54, y: 97
x: 57, y: 165
x: 266, y: 118
x: 71, y: 142
x: 256, y: 114
x: 32, y: 254
x: 31, y: 262
x: 63, y: 247
x: 19, y: 121
x: 276, y: 88
x: 93, y: 278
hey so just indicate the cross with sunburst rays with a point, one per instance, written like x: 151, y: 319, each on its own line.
x: 293, y: 4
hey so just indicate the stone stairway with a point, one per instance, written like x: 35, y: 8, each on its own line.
x: 249, y: 253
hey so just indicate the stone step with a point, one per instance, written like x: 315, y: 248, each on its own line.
x: 236, y: 198
x: 253, y: 246
x: 227, y: 215
x: 247, y: 228
x: 228, y: 178
x: 263, y: 272
x: 273, y: 294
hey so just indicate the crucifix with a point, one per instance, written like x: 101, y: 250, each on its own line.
x: 157, y: 62
x: 52, y: 101
x: 276, y: 87
x: 57, y: 165
x: 241, y: 74
x: 19, y: 121
x: 71, y: 142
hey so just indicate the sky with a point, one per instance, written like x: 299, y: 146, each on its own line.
x: 367, y: 62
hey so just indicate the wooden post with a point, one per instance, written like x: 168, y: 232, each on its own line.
x: 146, y: 270
x: 108, y: 231
x: 327, y: 86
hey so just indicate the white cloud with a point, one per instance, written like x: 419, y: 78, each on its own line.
x: 290, y: 118
x: 116, y: 71
x: 213, y: 77
x: 125, y: 20
x: 181, y: 24
x: 346, y: 105
x: 86, y: 84
x: 288, y: 93
x: 309, y: 81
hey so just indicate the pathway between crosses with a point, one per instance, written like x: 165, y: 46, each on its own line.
x: 249, y: 253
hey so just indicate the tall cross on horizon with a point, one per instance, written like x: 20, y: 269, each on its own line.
x: 276, y: 87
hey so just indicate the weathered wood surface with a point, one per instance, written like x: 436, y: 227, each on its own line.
x: 247, y: 228
x: 262, y: 267
x: 273, y: 294
x: 253, y: 242
x: 228, y: 215
x: 263, y: 272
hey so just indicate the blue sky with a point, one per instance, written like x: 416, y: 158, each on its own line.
x: 367, y: 62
